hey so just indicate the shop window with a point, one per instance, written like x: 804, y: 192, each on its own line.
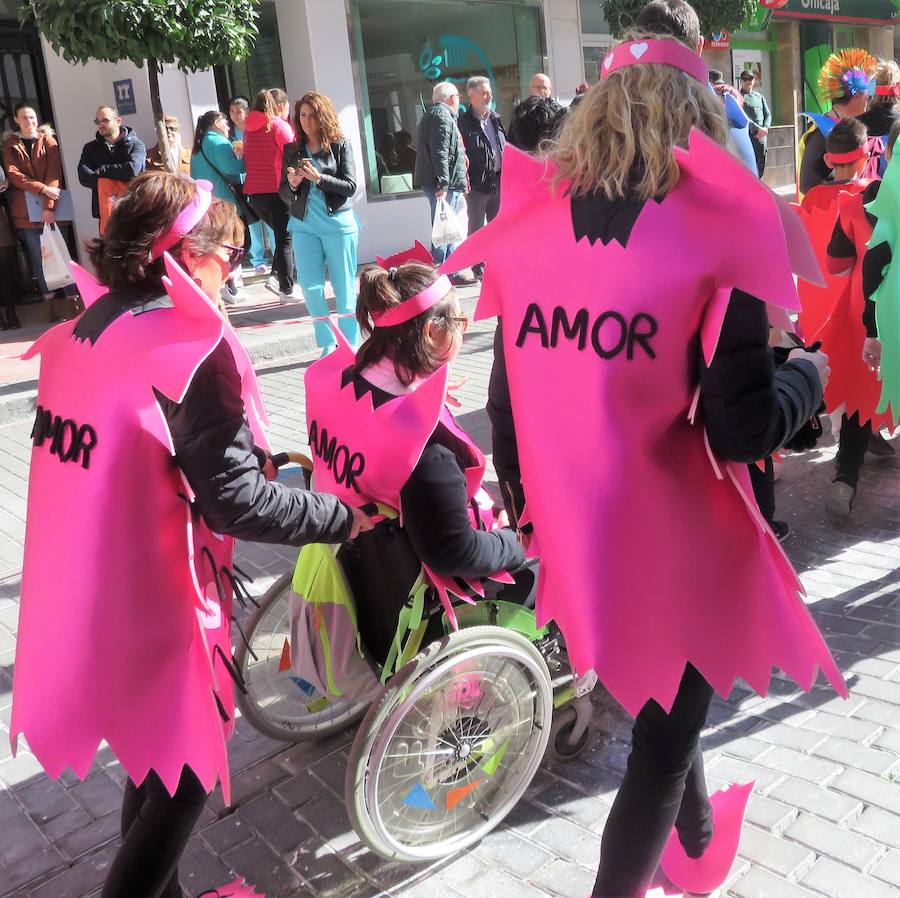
x: 402, y: 48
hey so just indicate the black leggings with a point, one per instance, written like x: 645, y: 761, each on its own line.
x: 852, y: 445
x: 663, y: 786
x: 271, y: 209
x: 156, y: 828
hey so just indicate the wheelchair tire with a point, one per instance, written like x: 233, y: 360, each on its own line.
x: 277, y: 703
x: 560, y: 747
x: 406, y: 806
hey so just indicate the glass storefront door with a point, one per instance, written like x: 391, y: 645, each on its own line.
x: 402, y: 48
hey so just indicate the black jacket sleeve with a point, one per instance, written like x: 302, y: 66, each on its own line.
x: 813, y: 169
x: 749, y: 409
x: 875, y: 262
x: 214, y: 448
x: 131, y: 166
x: 435, y: 507
x: 503, y: 432
x: 343, y: 181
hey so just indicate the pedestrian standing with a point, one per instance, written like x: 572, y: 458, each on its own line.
x: 33, y: 165
x: 268, y: 131
x: 114, y: 157
x: 157, y: 405
x: 319, y: 182
x: 238, y: 109
x: 638, y: 596
x: 441, y: 160
x: 540, y: 86
x: 215, y: 160
x: 757, y: 109
x: 176, y: 155
x: 484, y: 139
x: 8, y: 280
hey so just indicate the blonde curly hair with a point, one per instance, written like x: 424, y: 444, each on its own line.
x: 619, y: 140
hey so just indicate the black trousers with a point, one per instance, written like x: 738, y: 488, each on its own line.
x: 156, y: 828
x: 852, y: 446
x: 764, y: 489
x: 664, y: 786
x: 271, y: 209
x: 759, y: 150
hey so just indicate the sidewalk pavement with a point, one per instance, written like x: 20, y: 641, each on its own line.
x: 824, y: 819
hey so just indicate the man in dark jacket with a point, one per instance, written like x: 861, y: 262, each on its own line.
x: 116, y: 153
x: 760, y: 116
x: 441, y: 159
x: 484, y: 140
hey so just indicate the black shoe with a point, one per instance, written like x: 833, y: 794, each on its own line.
x: 462, y: 280
x: 781, y: 529
x: 880, y: 447
x: 12, y: 320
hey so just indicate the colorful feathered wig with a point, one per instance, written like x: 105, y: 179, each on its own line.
x: 847, y: 74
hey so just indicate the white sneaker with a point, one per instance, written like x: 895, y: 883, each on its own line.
x: 235, y: 299
x: 272, y: 285
x: 286, y: 298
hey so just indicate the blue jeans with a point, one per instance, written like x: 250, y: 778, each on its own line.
x: 312, y: 251
x: 439, y: 253
x: 31, y: 240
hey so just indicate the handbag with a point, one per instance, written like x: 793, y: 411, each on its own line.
x: 447, y: 228
x: 55, y: 258
x: 245, y: 210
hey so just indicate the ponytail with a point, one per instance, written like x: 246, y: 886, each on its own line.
x: 381, y: 290
x: 267, y: 101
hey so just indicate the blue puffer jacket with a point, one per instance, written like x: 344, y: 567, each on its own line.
x: 218, y: 153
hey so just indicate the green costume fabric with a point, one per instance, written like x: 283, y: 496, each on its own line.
x: 886, y: 208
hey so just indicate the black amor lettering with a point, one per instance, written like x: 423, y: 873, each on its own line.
x: 345, y: 465
x: 68, y: 440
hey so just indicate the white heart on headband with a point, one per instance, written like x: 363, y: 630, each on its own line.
x: 608, y: 62
x: 638, y: 50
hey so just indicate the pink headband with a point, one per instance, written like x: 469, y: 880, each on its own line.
x: 664, y: 52
x: 188, y: 219
x: 415, y: 305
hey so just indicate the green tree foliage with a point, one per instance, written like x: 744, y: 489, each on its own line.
x: 194, y: 34
x: 715, y: 15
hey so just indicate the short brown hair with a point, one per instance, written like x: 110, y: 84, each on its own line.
x: 326, y: 116
x: 404, y: 344
x: 847, y: 135
x: 147, y: 209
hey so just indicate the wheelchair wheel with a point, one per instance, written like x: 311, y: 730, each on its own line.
x: 278, y: 703
x: 450, y: 745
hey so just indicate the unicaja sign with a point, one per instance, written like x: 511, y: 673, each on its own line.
x: 831, y: 6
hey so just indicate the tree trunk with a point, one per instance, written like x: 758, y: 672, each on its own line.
x: 156, y: 105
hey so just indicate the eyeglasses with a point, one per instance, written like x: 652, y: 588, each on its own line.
x: 172, y: 129
x: 462, y: 322
x: 235, y: 255
x: 103, y: 121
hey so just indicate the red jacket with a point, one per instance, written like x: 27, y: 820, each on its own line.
x: 264, y: 144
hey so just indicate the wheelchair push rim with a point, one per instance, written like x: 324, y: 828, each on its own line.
x: 454, y: 747
x: 278, y: 703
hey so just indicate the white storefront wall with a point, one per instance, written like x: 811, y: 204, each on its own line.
x: 315, y: 46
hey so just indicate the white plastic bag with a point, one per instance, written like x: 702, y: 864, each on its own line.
x: 55, y: 258
x: 448, y: 226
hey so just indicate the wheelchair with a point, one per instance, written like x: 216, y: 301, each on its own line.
x: 453, y: 739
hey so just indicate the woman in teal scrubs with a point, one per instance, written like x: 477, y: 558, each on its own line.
x: 318, y: 180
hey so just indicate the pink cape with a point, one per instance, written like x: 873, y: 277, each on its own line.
x: 126, y: 602
x: 653, y: 552
x: 365, y: 453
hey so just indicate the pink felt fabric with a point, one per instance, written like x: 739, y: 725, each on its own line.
x: 121, y: 613
x: 707, y: 873
x: 381, y: 447
x: 651, y: 555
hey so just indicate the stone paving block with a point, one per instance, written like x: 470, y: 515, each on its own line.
x: 275, y: 822
x: 732, y: 770
x: 98, y: 795
x: 225, y: 833
x: 327, y: 815
x: 20, y: 771
x: 878, y: 825
x: 525, y: 818
x: 871, y: 789
x: 200, y: 869
x: 759, y: 883
x: 300, y: 757
x: 91, y: 836
x: 875, y: 711
x: 333, y: 771
x: 835, y: 881
x: 20, y: 838
x: 774, y: 853
x: 834, y: 842
x: 770, y: 815
x: 793, y: 763
x: 781, y: 734
x: 889, y: 740
x: 858, y: 757
x: 430, y: 887
x: 568, y: 841
x: 572, y: 804
x: 299, y: 790
x: 77, y: 881
x: 35, y: 865
x: 564, y: 880
x: 883, y: 690
x: 511, y: 852
x: 45, y: 799
x: 57, y: 827
x: 888, y: 869
x: 822, y: 802
x: 859, y: 731
x: 259, y: 864
x: 255, y: 780
x: 325, y: 872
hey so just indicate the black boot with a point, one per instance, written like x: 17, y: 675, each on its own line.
x: 12, y: 319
